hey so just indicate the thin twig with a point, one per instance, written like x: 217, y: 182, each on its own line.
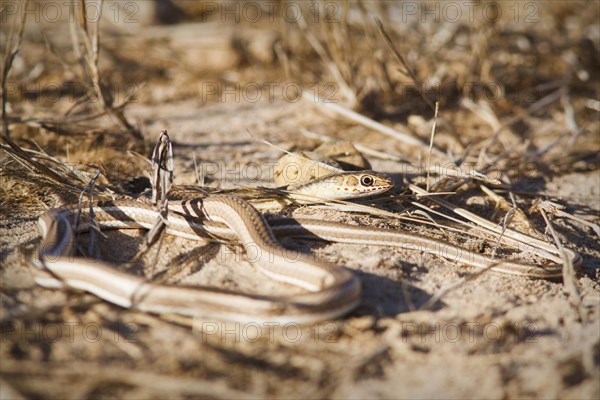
x: 9, y: 57
x: 162, y: 180
x: 369, y: 123
x: 331, y: 66
x: 408, y: 71
x: 570, y: 118
x: 435, y: 118
x: 91, y: 41
x: 94, y: 227
x: 568, y: 271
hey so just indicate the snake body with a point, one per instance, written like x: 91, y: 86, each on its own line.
x: 331, y: 291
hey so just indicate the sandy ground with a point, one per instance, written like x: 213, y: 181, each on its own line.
x: 495, y: 337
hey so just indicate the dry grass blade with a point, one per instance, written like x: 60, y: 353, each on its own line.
x: 368, y: 151
x: 331, y: 66
x: 162, y: 169
x: 22, y: 157
x: 557, y: 209
x: 200, y: 181
x: 9, y: 57
x: 569, y: 281
x: 513, y: 210
x: 369, y: 123
x: 512, y: 207
x: 94, y: 226
x: 478, y: 230
x: 406, y: 70
x: 544, y: 249
x: 435, y: 119
x: 570, y: 118
x: 162, y: 180
x: 448, y: 171
x: 91, y: 41
x: 483, y: 111
x: 321, y: 164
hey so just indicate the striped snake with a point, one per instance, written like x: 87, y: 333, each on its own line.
x: 331, y: 291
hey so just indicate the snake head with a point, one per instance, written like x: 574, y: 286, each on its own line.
x: 345, y: 185
x: 362, y: 183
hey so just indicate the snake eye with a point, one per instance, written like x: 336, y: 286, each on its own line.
x: 366, y: 180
